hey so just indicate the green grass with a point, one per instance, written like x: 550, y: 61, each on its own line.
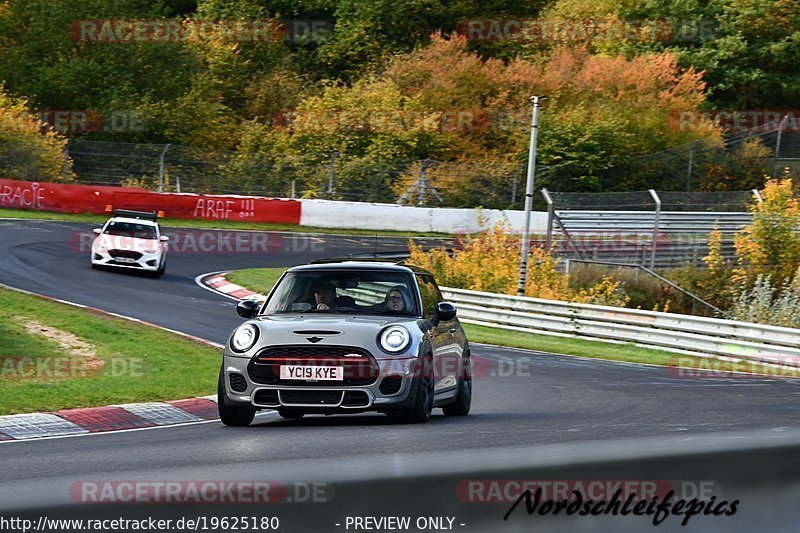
x: 221, y: 224
x: 261, y: 280
x: 142, y: 363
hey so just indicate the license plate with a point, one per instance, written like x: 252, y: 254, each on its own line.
x: 315, y: 373
x: 125, y: 260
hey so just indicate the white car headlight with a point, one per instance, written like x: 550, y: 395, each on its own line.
x: 395, y: 339
x: 244, y: 338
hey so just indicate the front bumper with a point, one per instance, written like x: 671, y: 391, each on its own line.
x: 132, y: 260
x: 382, y: 394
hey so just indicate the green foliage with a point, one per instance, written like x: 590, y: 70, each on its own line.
x: 30, y: 151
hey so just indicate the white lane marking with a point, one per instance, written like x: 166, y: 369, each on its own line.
x: 36, y: 425
x: 198, y: 281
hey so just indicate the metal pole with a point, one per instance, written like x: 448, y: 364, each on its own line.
x: 330, y: 175
x: 655, y: 228
x: 526, y: 235
x: 66, y: 162
x: 757, y: 194
x: 689, y: 172
x: 293, y: 189
x: 422, y: 183
x: 778, y: 146
x: 161, y: 169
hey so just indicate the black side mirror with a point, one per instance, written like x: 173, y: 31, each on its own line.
x: 444, y: 312
x: 248, y: 308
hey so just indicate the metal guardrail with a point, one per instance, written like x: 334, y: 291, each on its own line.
x: 666, y: 331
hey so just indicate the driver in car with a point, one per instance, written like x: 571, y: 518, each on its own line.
x: 324, y: 296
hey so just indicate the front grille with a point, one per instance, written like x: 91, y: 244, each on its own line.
x: 391, y: 385
x: 355, y: 398
x: 312, y: 397
x: 237, y: 381
x: 129, y: 254
x: 359, y: 369
x: 120, y: 263
x: 266, y: 397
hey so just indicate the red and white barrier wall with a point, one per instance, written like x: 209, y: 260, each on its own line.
x: 69, y: 198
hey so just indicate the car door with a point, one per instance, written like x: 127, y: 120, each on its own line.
x: 446, y: 350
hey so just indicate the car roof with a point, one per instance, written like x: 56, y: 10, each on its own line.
x: 358, y: 264
x: 134, y: 221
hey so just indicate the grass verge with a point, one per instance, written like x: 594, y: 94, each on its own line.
x: 261, y: 281
x: 220, y: 224
x: 570, y: 346
x: 142, y: 363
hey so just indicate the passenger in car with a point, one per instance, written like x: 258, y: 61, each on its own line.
x: 396, y: 300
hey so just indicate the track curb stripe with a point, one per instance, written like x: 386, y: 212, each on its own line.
x: 218, y: 283
x: 105, y: 419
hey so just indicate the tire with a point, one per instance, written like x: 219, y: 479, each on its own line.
x: 463, y: 402
x: 291, y: 414
x: 230, y: 415
x: 423, y: 400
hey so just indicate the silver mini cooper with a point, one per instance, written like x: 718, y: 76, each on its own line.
x: 341, y: 336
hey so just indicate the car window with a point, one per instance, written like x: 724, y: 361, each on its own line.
x: 131, y: 229
x: 361, y: 292
x: 429, y: 293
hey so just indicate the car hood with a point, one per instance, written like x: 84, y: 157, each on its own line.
x: 133, y: 244
x: 330, y: 329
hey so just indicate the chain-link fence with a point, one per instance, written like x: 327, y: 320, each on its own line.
x: 740, y: 162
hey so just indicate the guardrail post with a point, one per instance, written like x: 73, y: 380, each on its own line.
x: 778, y: 147
x: 161, y: 168
x: 550, y: 212
x: 656, y: 221
x: 330, y: 175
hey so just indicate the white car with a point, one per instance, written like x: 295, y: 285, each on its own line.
x: 131, y: 240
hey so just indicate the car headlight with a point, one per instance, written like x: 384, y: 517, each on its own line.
x: 244, y: 338
x: 395, y: 339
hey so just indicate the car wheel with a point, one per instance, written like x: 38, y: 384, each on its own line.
x: 463, y: 402
x: 423, y: 402
x: 230, y: 415
x: 291, y: 414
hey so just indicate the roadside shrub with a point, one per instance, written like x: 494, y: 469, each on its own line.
x: 489, y: 261
x: 764, y: 303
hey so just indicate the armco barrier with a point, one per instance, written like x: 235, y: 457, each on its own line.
x: 665, y: 331
x: 68, y: 198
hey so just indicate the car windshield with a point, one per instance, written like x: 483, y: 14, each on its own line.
x: 354, y: 292
x: 131, y: 229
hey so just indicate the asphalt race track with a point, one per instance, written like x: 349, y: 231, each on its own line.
x: 523, y: 399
